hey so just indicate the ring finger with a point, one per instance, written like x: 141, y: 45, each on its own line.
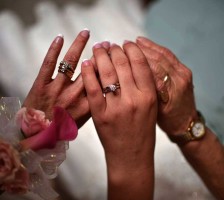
x: 107, y: 72
x: 71, y: 59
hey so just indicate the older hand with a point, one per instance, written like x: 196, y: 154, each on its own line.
x: 47, y: 93
x: 125, y: 118
x: 174, y: 86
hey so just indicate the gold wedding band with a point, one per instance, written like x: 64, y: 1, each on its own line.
x: 163, y: 94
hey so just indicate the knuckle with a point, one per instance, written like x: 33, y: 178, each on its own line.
x: 152, y: 100
x: 108, y: 74
x: 93, y: 92
x: 131, y: 106
x: 121, y: 62
x: 102, y: 120
x: 72, y: 59
x: 188, y: 73
x: 158, y: 56
x: 140, y: 61
x: 166, y: 51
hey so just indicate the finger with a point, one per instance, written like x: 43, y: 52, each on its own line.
x: 74, y: 53
x: 105, y: 67
x: 156, y: 61
x: 140, y: 68
x: 123, y: 69
x: 160, y: 67
x: 50, y: 60
x: 106, y: 45
x: 73, y: 92
x: 95, y: 97
x: 163, y: 50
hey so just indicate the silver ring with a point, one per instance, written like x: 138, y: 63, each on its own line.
x: 111, y: 88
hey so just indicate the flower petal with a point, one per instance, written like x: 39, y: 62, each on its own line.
x: 68, y: 129
x: 62, y: 127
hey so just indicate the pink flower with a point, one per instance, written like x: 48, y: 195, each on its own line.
x: 31, y: 121
x: 62, y: 127
x: 13, y: 176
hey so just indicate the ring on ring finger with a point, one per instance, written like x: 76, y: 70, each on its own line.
x: 111, y: 88
x: 66, y: 69
x: 163, y: 93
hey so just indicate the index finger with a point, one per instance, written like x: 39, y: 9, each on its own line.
x: 140, y: 68
x: 163, y: 50
x: 50, y: 60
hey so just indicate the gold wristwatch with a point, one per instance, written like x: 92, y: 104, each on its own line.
x: 195, y: 131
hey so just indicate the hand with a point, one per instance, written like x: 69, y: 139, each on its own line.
x: 175, y: 115
x: 125, y: 119
x: 47, y: 93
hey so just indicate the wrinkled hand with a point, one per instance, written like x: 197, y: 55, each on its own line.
x: 125, y: 119
x: 175, y: 115
x: 47, y: 93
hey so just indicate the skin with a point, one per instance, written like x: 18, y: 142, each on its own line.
x: 61, y: 91
x: 206, y: 155
x: 125, y: 120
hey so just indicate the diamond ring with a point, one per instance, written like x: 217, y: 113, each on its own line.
x: 66, y: 69
x: 111, y: 88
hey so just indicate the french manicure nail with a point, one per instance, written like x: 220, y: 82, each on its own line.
x: 85, y: 32
x: 59, y: 37
x: 106, y: 44
x: 86, y: 62
x: 126, y: 41
x: 97, y: 45
x: 139, y: 39
x: 113, y: 44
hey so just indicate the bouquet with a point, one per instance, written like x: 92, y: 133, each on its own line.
x: 32, y: 147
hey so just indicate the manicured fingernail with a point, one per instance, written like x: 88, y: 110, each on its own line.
x: 106, y: 44
x: 59, y: 37
x: 85, y: 32
x: 97, y: 45
x: 86, y: 62
x: 126, y: 41
x: 113, y: 45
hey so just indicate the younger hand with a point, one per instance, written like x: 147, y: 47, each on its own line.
x: 124, y: 119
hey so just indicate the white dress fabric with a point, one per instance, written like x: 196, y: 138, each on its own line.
x: 22, y: 50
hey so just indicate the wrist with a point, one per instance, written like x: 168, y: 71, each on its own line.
x: 131, y: 184
x: 181, y: 123
x: 194, y: 132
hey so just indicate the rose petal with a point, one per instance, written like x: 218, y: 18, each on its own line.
x: 68, y: 129
x: 62, y: 127
x: 44, y: 139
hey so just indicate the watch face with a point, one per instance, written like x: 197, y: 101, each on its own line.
x: 198, y: 129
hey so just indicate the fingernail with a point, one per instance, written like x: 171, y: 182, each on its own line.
x: 113, y: 45
x: 86, y: 62
x: 59, y: 37
x: 97, y: 45
x: 106, y: 44
x: 126, y: 41
x: 139, y: 39
x: 85, y: 32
